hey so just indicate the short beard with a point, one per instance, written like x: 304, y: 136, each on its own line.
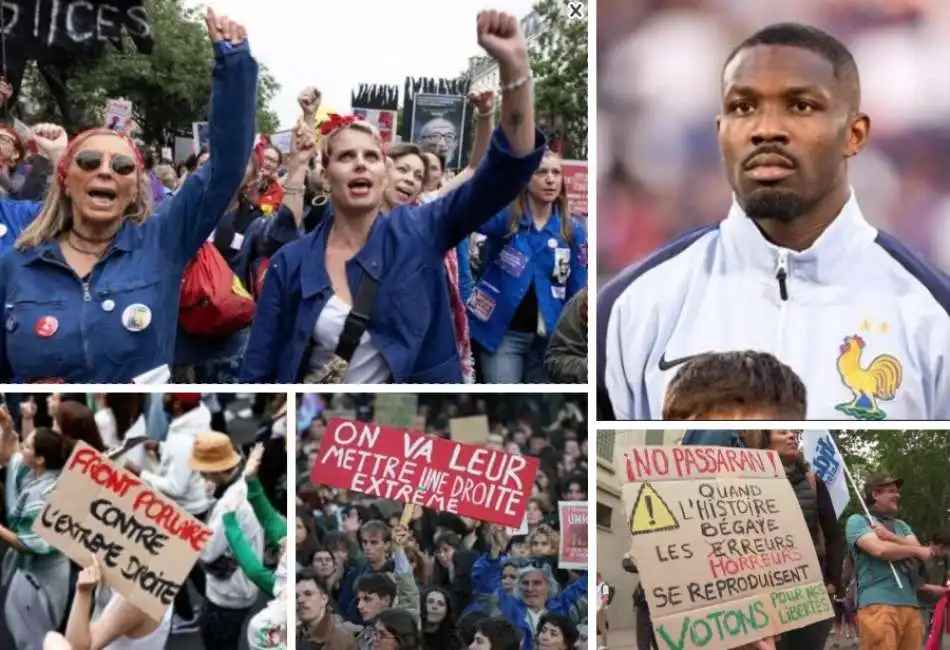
x: 782, y: 205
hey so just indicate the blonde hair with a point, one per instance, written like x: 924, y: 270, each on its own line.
x: 166, y: 174
x: 358, y: 125
x: 519, y: 207
x: 547, y: 532
x: 56, y: 215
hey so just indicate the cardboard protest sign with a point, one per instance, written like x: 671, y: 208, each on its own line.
x: 147, y: 544
x: 572, y: 553
x: 472, y: 430
x: 721, y: 544
x: 395, y: 409
x: 408, y: 467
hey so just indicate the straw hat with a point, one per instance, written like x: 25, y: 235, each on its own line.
x: 213, y: 452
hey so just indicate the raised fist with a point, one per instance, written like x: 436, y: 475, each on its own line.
x: 222, y: 28
x: 309, y: 100
x: 483, y: 101
x: 500, y: 36
x: 50, y: 139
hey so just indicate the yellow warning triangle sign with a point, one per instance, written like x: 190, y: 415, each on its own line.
x: 650, y: 513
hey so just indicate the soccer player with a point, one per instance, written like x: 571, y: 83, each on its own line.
x: 795, y: 269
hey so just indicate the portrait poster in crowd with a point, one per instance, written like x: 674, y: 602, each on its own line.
x: 721, y: 545
x: 396, y: 409
x: 201, y: 137
x: 118, y: 115
x: 409, y: 467
x: 438, y: 125
x: 572, y: 516
x: 383, y: 120
x: 145, y: 542
x: 575, y: 184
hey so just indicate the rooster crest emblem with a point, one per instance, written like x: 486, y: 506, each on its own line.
x: 877, y: 382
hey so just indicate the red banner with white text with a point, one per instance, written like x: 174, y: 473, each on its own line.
x: 401, y: 465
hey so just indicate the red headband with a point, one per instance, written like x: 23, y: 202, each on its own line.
x: 334, y: 122
x: 67, y: 158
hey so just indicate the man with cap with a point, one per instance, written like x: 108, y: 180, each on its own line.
x: 175, y: 479
x: 888, y: 612
x: 230, y: 595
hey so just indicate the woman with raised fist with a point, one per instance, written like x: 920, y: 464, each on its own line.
x: 91, y: 291
x: 365, y: 299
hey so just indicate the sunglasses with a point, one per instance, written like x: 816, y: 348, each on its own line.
x: 91, y: 161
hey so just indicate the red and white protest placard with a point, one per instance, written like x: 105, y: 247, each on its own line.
x: 409, y: 467
x: 573, y: 551
x: 575, y: 183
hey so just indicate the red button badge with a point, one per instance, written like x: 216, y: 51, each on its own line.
x: 46, y: 327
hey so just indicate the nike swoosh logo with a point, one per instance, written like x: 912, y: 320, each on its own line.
x: 665, y: 365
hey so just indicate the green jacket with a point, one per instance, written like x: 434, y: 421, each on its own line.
x: 275, y: 530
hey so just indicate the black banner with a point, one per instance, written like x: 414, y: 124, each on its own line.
x: 59, y: 33
x: 378, y: 97
x: 78, y: 26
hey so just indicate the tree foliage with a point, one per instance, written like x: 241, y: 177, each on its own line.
x: 559, y: 65
x: 920, y: 457
x: 169, y: 89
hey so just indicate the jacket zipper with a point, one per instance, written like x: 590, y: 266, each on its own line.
x: 781, y: 275
x: 86, y: 298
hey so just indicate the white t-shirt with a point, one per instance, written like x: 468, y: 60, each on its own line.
x: 367, y: 365
x: 137, y: 455
x: 105, y: 421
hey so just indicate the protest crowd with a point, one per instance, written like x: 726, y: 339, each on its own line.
x: 145, y: 521
x: 876, y: 584
x: 347, y: 258
x: 378, y: 573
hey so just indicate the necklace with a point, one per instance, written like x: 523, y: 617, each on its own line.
x: 79, y: 249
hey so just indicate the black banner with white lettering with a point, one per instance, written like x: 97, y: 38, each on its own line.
x: 58, y: 34
x: 81, y: 27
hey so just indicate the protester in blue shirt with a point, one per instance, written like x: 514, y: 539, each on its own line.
x: 16, y: 215
x: 541, y: 262
x: 91, y: 292
x: 312, y: 283
x: 536, y: 594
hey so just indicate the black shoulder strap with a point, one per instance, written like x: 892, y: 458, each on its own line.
x: 357, y: 319
x: 353, y: 327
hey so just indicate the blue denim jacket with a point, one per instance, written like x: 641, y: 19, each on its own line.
x: 121, y: 321
x: 411, y: 321
x: 557, y: 267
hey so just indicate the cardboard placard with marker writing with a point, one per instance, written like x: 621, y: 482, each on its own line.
x: 396, y: 409
x: 409, y: 467
x: 722, y: 547
x: 145, y: 542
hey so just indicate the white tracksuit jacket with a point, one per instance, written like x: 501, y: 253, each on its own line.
x: 716, y: 290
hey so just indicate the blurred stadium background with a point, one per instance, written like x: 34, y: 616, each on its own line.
x: 659, y: 64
